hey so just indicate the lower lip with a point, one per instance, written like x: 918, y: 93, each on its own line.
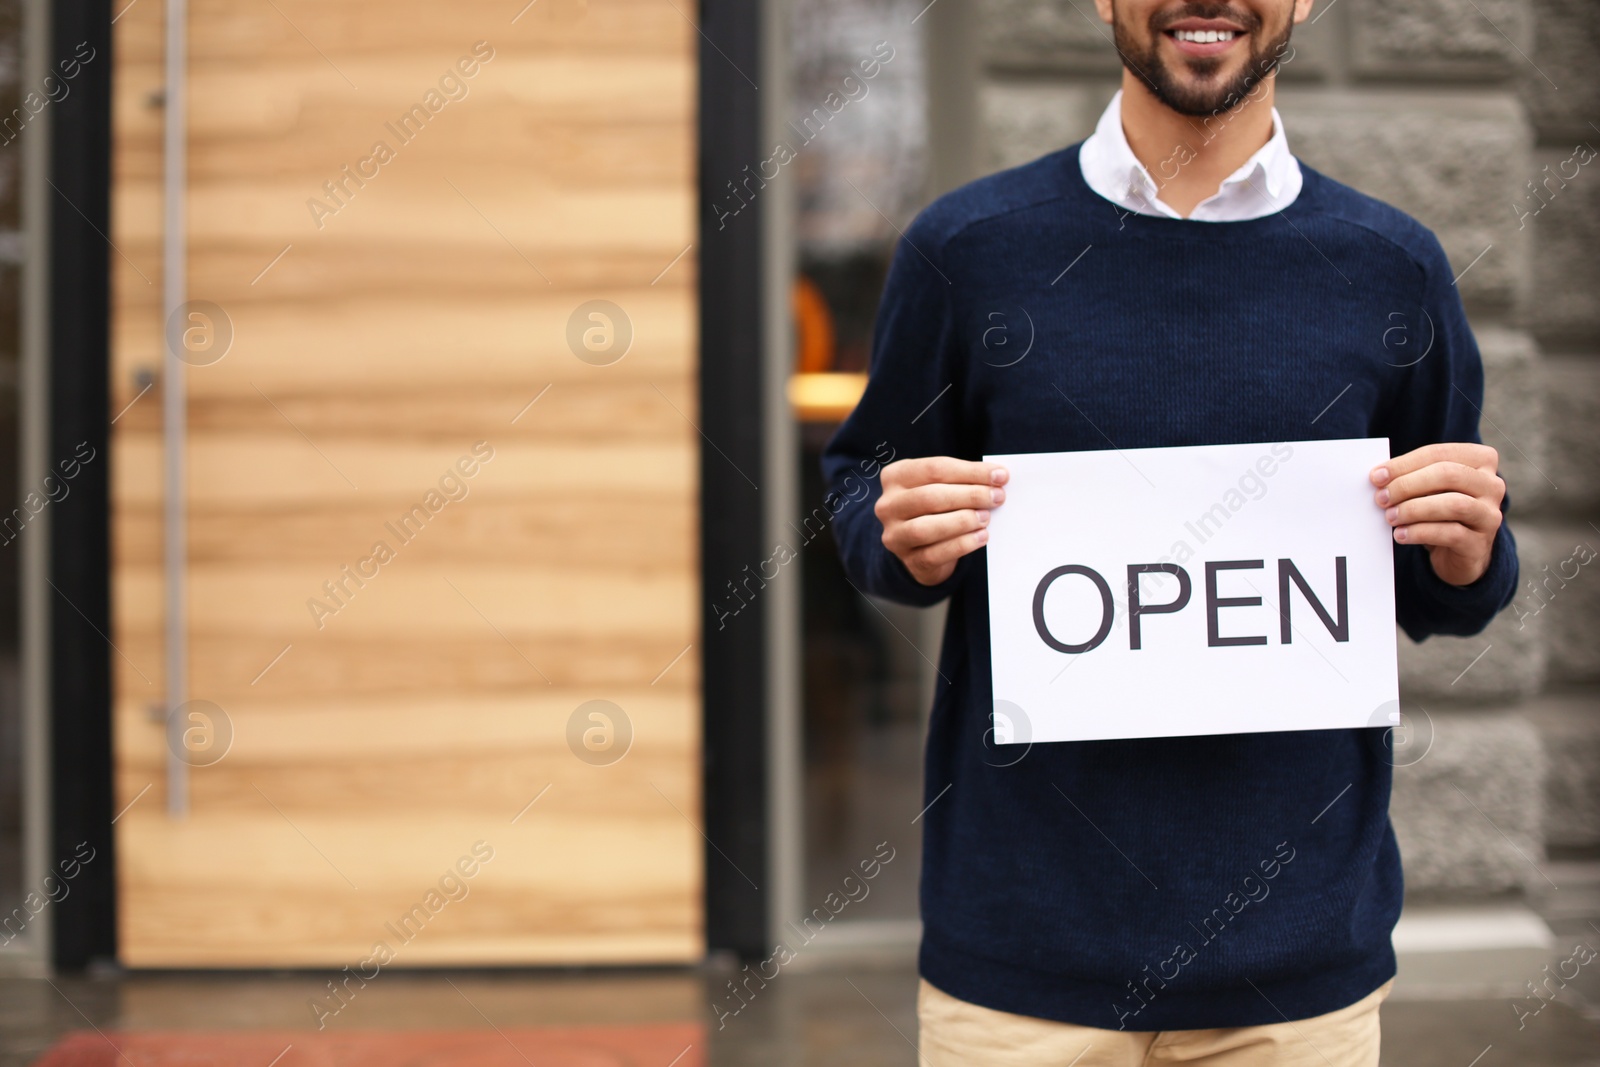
x: 1208, y: 48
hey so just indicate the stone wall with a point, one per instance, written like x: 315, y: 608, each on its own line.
x: 1452, y: 110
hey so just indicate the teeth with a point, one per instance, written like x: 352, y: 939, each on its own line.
x: 1205, y: 36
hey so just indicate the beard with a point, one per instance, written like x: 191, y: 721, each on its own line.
x: 1205, y: 94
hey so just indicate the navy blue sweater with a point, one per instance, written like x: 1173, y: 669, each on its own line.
x: 1168, y: 883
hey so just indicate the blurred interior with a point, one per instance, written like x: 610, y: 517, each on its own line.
x: 867, y: 672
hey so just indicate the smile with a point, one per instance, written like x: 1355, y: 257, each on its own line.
x: 1202, y: 38
x: 1205, y: 36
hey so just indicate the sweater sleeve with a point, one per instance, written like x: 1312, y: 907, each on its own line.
x: 1440, y: 399
x: 911, y: 408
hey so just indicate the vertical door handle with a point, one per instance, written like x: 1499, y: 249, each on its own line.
x: 174, y: 420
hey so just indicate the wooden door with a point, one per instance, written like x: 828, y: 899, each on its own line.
x: 438, y: 499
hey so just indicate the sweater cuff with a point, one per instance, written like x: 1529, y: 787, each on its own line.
x: 897, y: 583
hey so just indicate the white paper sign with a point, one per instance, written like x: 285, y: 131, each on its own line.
x: 1159, y: 592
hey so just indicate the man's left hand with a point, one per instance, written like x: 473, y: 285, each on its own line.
x: 1446, y: 498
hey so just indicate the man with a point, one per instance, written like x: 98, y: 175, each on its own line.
x: 1186, y: 282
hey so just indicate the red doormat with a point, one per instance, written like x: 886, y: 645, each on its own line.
x: 665, y: 1045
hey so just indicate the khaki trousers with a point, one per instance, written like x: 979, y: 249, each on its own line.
x: 958, y: 1034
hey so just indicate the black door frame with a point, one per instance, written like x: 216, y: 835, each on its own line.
x: 83, y: 923
x: 732, y: 387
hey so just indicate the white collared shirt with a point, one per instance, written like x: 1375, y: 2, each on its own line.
x: 1268, y: 182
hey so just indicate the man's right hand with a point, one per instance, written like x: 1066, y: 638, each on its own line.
x: 936, y: 510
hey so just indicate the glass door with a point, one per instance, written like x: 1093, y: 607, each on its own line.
x: 858, y: 123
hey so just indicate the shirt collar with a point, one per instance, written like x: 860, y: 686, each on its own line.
x: 1115, y: 173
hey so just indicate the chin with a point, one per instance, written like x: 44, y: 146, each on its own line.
x: 1202, y: 65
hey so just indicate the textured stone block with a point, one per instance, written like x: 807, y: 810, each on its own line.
x: 1439, y: 38
x: 1024, y: 120
x: 1569, y: 726
x: 1045, y: 35
x: 1469, y: 813
x: 1513, y: 419
x: 1450, y: 160
x: 1563, y: 215
x: 1558, y: 80
x: 1572, y: 403
x: 1560, y: 595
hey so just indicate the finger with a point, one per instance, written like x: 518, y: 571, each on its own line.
x: 931, y: 529
x: 907, y: 473
x: 938, y: 497
x: 1450, y: 535
x: 1446, y: 507
x: 1444, y: 477
x: 949, y: 551
x: 1466, y: 453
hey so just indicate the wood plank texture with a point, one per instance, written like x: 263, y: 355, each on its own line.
x: 422, y: 531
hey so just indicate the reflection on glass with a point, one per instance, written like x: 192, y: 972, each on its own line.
x: 860, y: 163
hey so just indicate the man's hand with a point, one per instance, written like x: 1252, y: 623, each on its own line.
x: 1445, y: 497
x: 936, y: 510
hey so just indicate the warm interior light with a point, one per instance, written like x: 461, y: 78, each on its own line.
x: 825, y: 396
